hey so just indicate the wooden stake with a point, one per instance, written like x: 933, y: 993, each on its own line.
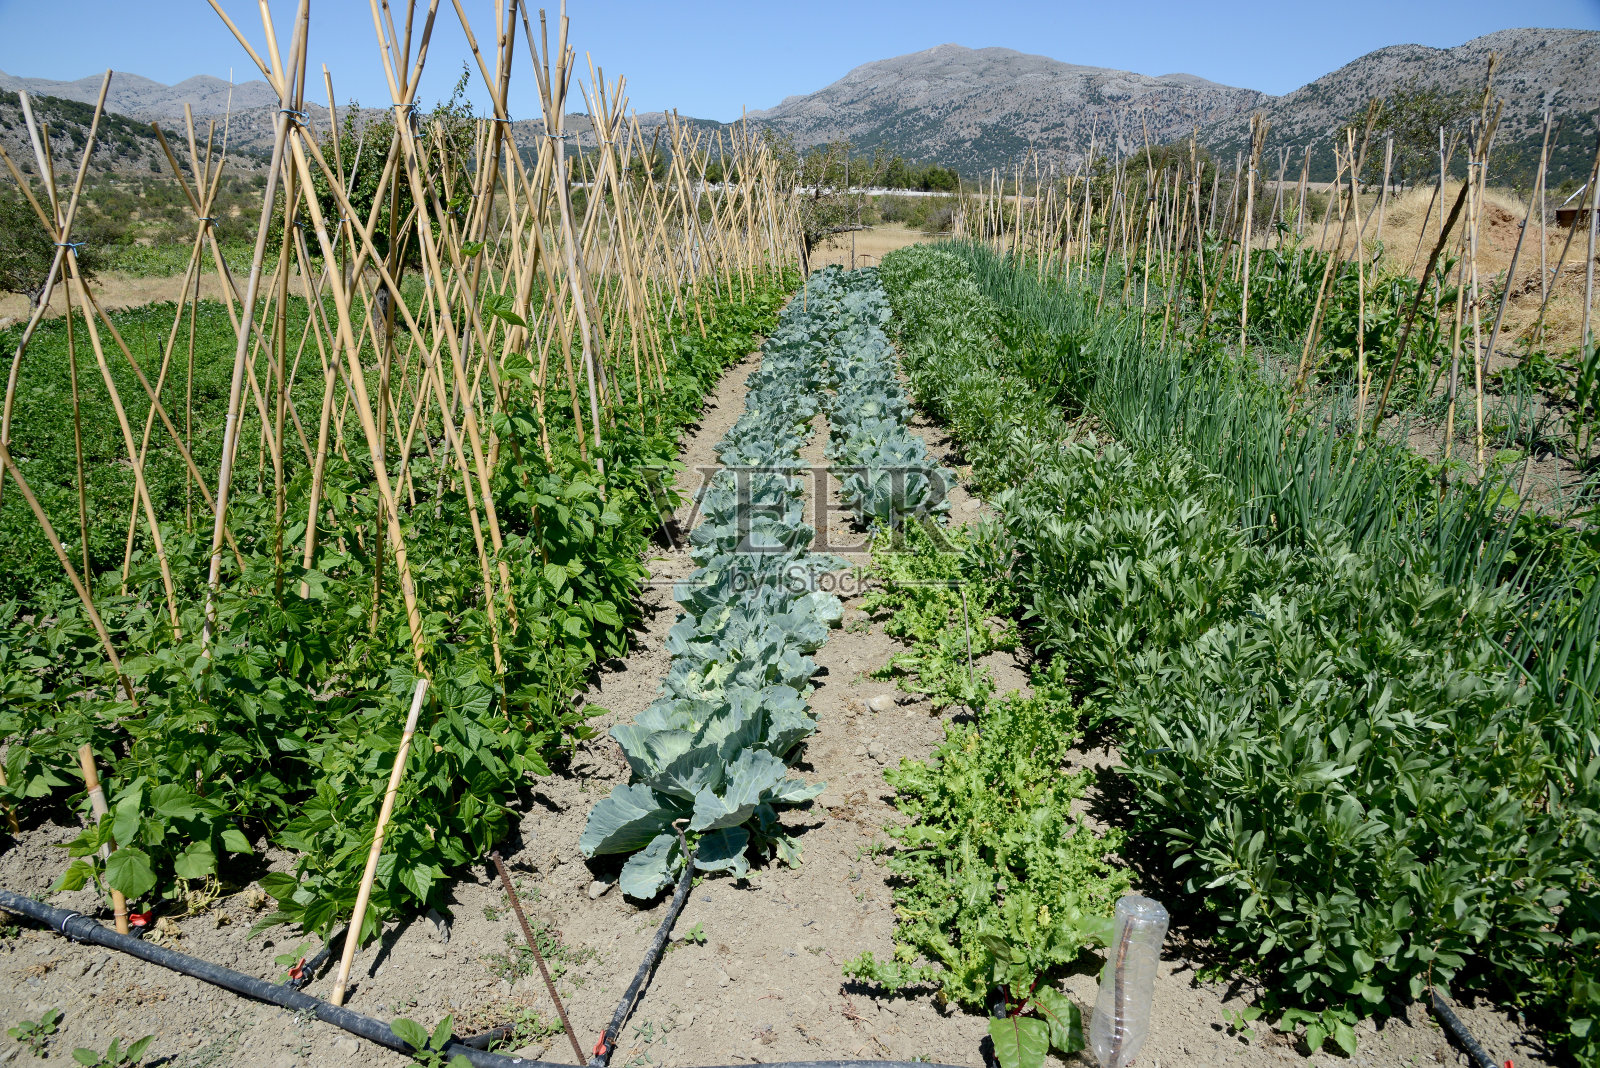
x: 352, y: 936
x: 97, y: 802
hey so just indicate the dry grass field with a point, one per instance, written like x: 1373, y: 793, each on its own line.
x: 871, y: 245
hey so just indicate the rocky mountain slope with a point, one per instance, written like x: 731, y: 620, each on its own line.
x: 143, y: 98
x: 1561, y: 66
x: 974, y: 108
x: 125, y: 146
x: 250, y: 115
x: 985, y: 107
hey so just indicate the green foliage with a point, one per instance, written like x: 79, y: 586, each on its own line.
x: 929, y: 214
x: 291, y: 962
x: 1364, y: 312
x: 934, y: 607
x: 1413, y: 114
x: 114, y: 1056
x: 444, y: 139
x: 999, y: 884
x: 1355, y: 737
x: 168, y: 258
x: 36, y: 1034
x: 285, y: 733
x: 1333, y: 1023
x: 1021, y: 1041
x: 27, y: 250
x: 518, y: 961
x: 926, y: 177
x: 709, y: 752
x: 528, y: 1028
x: 44, y: 447
x: 427, y: 1048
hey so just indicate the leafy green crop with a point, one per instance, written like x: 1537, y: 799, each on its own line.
x: 1000, y: 886
x: 709, y: 753
x: 285, y: 733
x: 115, y: 1056
x: 1372, y: 758
x: 427, y: 1048
x: 888, y: 474
x: 37, y: 1034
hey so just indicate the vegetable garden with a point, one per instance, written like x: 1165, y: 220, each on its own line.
x: 1365, y: 746
x: 449, y: 477
x: 419, y: 456
x: 710, y: 751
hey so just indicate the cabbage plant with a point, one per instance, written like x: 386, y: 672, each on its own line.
x: 710, y: 754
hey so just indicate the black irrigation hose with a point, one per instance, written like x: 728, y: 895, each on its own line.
x: 80, y: 928
x: 490, y: 1037
x: 608, y: 1038
x: 1453, y: 1023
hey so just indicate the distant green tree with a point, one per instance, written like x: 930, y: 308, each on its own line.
x: 446, y: 138
x: 444, y: 135
x: 824, y: 179
x: 1413, y: 115
x: 26, y: 251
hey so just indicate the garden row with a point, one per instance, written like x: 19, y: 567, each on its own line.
x: 1361, y: 740
x: 283, y: 733
x: 708, y: 756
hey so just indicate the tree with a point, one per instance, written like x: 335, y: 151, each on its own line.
x: 364, y: 141
x: 26, y: 251
x: 445, y: 138
x: 822, y: 179
x: 1413, y: 115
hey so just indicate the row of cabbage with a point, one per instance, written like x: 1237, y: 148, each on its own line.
x: 887, y: 474
x: 708, y: 755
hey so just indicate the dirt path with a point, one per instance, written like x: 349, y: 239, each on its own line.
x: 764, y: 985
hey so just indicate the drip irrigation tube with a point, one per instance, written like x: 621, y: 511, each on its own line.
x: 1477, y: 1054
x: 608, y: 1037
x: 79, y: 928
x: 315, y: 964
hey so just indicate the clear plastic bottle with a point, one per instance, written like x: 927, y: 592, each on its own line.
x: 1127, y: 984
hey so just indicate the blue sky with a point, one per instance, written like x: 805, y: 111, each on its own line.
x: 709, y: 59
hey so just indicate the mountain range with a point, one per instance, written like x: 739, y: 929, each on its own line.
x: 976, y: 108
x: 982, y: 108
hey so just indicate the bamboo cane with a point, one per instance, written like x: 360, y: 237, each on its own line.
x: 352, y: 938
x: 97, y: 803
x: 1516, y: 251
x: 1587, y: 197
x: 231, y: 426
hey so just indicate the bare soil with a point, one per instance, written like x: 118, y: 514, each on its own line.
x: 115, y: 291
x: 765, y: 985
